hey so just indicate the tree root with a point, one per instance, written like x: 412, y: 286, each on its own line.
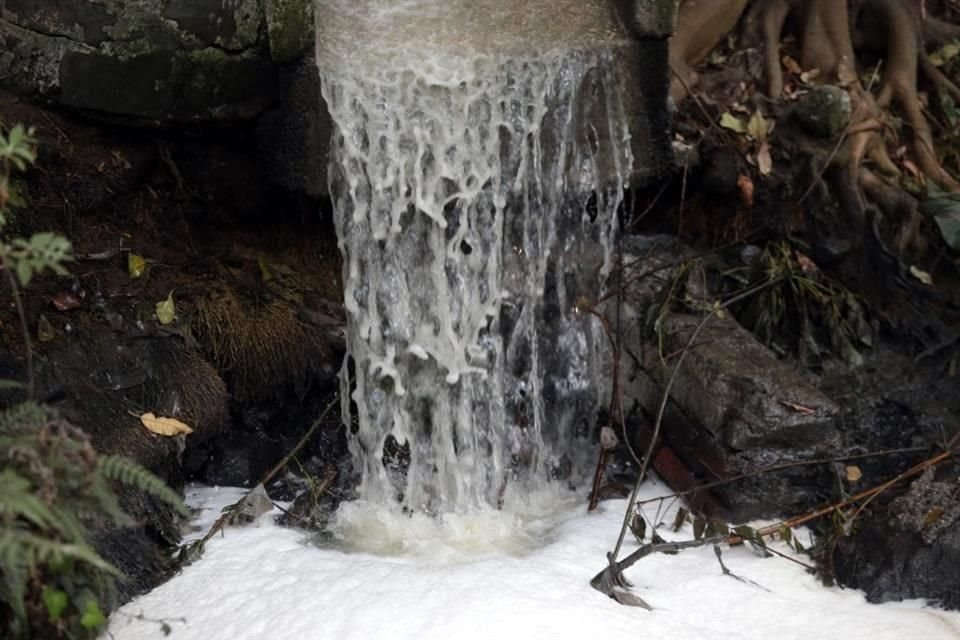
x: 827, y: 31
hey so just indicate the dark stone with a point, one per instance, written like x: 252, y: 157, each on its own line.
x: 205, y: 84
x: 292, y: 138
x: 211, y: 84
x: 81, y: 21
x: 908, y: 547
x: 205, y: 19
x: 824, y: 112
x: 138, y: 85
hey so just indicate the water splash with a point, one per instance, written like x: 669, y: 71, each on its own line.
x: 475, y: 194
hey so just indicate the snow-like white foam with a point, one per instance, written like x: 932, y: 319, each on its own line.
x: 266, y: 582
x: 462, y: 179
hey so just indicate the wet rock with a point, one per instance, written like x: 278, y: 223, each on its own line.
x: 908, y: 547
x: 289, y: 28
x: 169, y: 61
x: 824, y: 112
x: 734, y: 406
x: 292, y: 138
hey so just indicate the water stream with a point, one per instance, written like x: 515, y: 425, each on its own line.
x: 478, y: 160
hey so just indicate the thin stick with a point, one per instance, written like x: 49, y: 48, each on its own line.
x: 327, y: 480
x: 303, y: 441
x: 665, y: 398
x: 779, y: 467
x: 615, y: 569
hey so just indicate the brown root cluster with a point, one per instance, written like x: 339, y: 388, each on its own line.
x: 828, y: 36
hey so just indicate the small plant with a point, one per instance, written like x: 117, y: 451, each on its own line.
x: 22, y: 258
x: 55, y: 487
x: 53, y: 584
x: 803, y: 303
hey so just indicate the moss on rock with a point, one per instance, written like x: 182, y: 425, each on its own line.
x: 289, y: 28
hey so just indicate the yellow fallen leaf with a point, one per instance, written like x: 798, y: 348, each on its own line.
x: 732, y: 122
x: 164, y: 426
x: 758, y: 127
x: 854, y: 473
x: 166, y: 310
x: 136, y: 265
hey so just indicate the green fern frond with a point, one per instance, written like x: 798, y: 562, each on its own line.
x: 19, y: 501
x: 17, y: 545
x: 107, y: 504
x: 23, y: 418
x: 129, y: 473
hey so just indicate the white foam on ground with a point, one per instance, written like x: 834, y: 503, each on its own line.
x: 267, y: 582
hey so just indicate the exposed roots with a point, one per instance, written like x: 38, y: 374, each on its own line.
x: 826, y: 33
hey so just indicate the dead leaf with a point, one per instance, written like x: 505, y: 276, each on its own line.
x: 792, y: 65
x: 732, y: 122
x: 45, y: 331
x: 921, y: 275
x: 164, y: 426
x: 944, y: 54
x: 758, y: 127
x: 65, y: 301
x: 809, y: 76
x: 745, y: 184
x: 136, y: 265
x: 166, y: 310
x: 932, y: 516
x: 806, y: 264
x: 764, y: 161
x: 854, y: 473
x: 912, y: 168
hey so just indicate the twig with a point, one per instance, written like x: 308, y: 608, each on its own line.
x: 665, y: 397
x: 612, y: 575
x: 607, y: 295
x: 779, y: 467
x: 188, y: 552
x: 868, y: 494
x: 303, y: 441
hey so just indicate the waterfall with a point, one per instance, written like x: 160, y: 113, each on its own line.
x: 475, y: 183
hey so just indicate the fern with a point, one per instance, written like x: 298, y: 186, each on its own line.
x: 131, y: 474
x: 55, y: 488
x: 18, y: 501
x: 23, y: 418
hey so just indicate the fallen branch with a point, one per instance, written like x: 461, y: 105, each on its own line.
x: 612, y: 577
x: 665, y: 397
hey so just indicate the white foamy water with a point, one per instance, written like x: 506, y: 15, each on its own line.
x: 265, y: 582
x: 476, y: 170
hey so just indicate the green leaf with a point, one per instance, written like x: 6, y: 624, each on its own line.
x: 945, y: 54
x: 166, y: 310
x: 732, y: 122
x: 92, y: 616
x: 55, y: 601
x: 136, y: 265
x: 24, y: 272
x: 6, y: 385
x: 758, y: 127
x: 944, y: 208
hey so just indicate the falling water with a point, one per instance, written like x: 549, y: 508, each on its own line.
x: 477, y: 164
